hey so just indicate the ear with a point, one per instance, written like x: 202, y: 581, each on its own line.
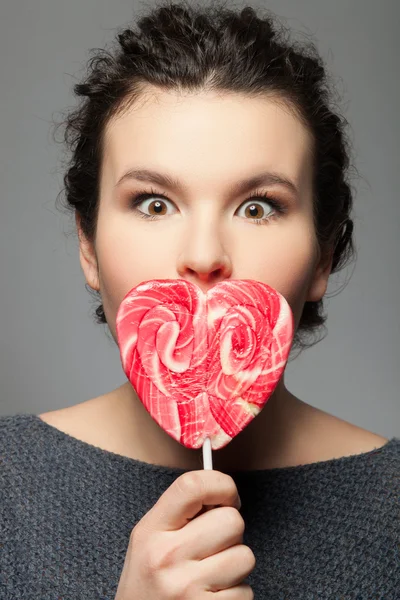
x: 319, y: 283
x: 87, y: 257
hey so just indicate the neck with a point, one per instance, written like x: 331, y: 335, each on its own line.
x: 262, y: 444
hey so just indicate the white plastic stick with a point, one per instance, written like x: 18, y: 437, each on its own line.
x: 207, y: 455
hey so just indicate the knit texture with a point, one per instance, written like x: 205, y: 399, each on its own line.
x: 328, y: 530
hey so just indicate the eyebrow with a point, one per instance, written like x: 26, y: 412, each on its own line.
x: 240, y: 187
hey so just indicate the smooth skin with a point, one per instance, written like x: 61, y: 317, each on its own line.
x: 206, y: 234
x: 205, y: 231
x: 174, y: 554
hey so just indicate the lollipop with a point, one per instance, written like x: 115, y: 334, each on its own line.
x: 204, y: 364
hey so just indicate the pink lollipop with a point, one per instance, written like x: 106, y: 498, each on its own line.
x: 204, y: 365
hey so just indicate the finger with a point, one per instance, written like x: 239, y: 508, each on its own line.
x: 208, y: 534
x: 226, y: 569
x: 183, y: 500
x: 238, y: 592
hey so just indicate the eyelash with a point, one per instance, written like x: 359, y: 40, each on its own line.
x: 278, y: 207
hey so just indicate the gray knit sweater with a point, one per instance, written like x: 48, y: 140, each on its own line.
x: 328, y: 530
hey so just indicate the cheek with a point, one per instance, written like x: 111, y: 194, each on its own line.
x: 285, y: 262
x: 125, y: 259
x: 295, y: 277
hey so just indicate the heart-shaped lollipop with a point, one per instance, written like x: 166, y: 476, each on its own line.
x: 204, y: 365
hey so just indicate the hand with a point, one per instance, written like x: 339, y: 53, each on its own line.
x: 176, y: 551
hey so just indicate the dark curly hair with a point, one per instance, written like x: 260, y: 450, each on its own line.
x: 175, y: 46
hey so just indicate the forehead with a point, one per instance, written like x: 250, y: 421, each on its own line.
x: 209, y: 133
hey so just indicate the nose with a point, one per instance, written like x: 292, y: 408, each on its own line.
x: 204, y: 260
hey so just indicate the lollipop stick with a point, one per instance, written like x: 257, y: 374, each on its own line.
x: 207, y: 455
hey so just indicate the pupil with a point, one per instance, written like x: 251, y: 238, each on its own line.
x: 157, y: 207
x: 253, y: 210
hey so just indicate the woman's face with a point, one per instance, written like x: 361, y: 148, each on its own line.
x: 206, y: 229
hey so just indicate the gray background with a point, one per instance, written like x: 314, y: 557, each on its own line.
x: 52, y: 354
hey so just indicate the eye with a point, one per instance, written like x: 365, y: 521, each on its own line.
x: 258, y: 208
x: 152, y: 205
x: 252, y: 210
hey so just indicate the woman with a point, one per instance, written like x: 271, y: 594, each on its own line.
x: 205, y: 149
